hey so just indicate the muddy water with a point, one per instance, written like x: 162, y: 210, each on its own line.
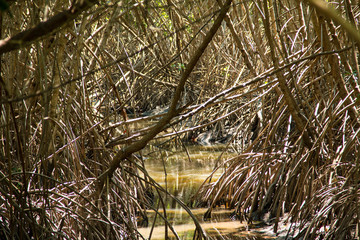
x: 181, y: 173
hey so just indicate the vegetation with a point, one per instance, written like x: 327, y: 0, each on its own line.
x: 275, y: 80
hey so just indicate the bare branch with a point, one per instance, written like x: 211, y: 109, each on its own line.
x: 43, y: 29
x: 331, y: 13
x: 123, y: 154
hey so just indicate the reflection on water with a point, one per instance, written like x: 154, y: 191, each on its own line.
x: 184, y: 175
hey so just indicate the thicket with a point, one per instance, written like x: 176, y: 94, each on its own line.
x: 277, y: 79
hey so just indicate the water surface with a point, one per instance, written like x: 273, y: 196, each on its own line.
x: 182, y: 173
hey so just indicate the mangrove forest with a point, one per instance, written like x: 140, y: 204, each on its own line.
x: 179, y: 119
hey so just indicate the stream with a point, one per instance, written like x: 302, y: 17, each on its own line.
x: 182, y: 173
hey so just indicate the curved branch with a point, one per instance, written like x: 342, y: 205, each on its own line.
x: 173, y: 111
x: 326, y: 9
x: 27, y: 37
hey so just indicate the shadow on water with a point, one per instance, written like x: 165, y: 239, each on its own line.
x: 182, y: 175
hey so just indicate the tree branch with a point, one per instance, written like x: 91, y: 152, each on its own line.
x: 326, y: 9
x: 27, y: 37
x: 173, y: 111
